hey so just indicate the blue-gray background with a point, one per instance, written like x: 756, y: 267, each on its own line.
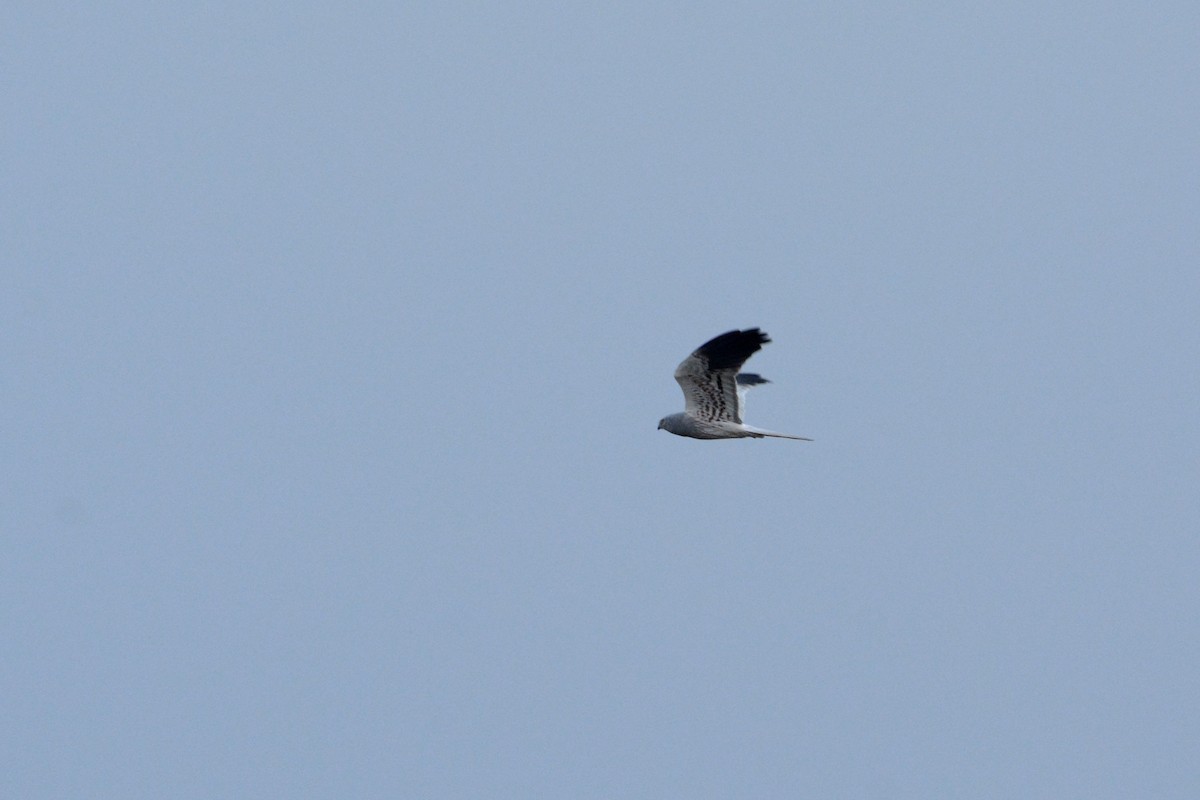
x: 335, y: 337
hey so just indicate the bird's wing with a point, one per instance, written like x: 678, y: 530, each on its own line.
x: 708, y: 376
x: 745, y: 380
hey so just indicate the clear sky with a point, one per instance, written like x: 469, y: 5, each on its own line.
x: 334, y: 339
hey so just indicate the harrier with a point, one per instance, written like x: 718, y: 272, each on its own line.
x: 714, y: 391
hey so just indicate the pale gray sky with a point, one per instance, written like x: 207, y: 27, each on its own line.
x: 335, y: 339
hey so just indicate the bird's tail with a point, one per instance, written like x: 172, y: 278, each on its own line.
x: 759, y: 433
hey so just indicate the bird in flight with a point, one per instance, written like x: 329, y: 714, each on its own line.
x: 714, y: 392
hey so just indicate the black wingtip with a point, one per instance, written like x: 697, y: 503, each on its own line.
x: 730, y: 350
x: 750, y: 379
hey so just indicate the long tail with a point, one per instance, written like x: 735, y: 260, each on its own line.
x: 759, y: 433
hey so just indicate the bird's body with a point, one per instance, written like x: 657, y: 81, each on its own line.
x: 714, y: 392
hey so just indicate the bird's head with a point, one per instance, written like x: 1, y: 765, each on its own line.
x: 662, y: 423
